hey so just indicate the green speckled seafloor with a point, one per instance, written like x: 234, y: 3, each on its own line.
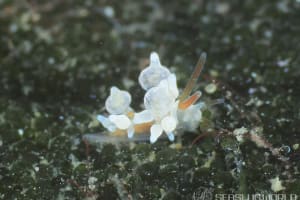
x: 58, y: 60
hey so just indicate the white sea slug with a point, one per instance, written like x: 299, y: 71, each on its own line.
x: 165, y: 110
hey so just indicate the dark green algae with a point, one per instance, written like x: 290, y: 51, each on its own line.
x: 58, y: 60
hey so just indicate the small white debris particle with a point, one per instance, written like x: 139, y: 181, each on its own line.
x: 13, y: 28
x: 128, y: 83
x: 239, y: 133
x: 83, y: 12
x: 210, y: 159
x: 259, y: 103
x: 51, y: 60
x: 295, y: 146
x: 214, y: 73
x: 74, y: 161
x: 222, y: 8
x: 268, y: 34
x: 276, y: 184
x: 92, y: 180
x: 253, y: 74
x: 283, y: 63
x: 109, y: 12
x: 44, y: 162
x: 211, y: 88
x: 20, y: 132
x: 36, y: 169
x: 252, y: 90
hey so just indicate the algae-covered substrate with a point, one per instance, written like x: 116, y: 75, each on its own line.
x: 59, y: 59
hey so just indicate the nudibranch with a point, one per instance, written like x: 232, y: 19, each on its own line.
x: 165, y: 110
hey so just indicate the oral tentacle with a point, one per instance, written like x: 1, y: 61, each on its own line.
x: 194, y: 77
